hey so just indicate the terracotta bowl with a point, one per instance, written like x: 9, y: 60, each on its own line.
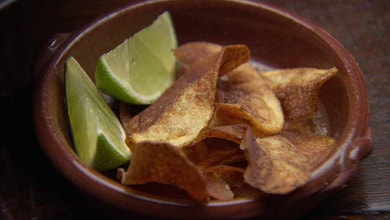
x: 277, y: 39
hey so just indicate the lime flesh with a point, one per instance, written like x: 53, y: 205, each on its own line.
x: 98, y: 136
x: 142, y: 67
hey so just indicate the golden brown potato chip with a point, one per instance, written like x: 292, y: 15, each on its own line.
x: 167, y: 164
x: 217, y: 160
x: 196, y: 153
x: 219, y: 180
x: 243, y: 95
x: 214, y: 151
x: 298, y: 88
x: 198, y: 56
x: 315, y: 147
x: 217, y: 187
x: 275, y: 165
x: 219, y: 152
x: 226, y: 182
x: 185, y: 109
x: 220, y: 130
x: 233, y: 132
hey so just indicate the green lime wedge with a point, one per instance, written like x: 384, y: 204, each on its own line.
x: 142, y: 67
x: 98, y: 136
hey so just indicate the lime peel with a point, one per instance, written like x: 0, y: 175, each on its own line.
x: 142, y: 67
x: 98, y: 136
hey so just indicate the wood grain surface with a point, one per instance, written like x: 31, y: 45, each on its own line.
x: 30, y: 188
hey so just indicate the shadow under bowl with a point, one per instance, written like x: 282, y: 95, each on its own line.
x: 276, y: 38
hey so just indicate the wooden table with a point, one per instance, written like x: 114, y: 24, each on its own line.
x: 30, y: 188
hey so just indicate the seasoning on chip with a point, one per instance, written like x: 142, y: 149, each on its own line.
x: 242, y: 94
x: 313, y: 146
x: 225, y: 131
x: 234, y: 132
x: 215, y: 151
x: 220, y: 179
x: 196, y: 57
x: 275, y: 165
x: 185, y: 109
x: 166, y: 164
x: 298, y: 89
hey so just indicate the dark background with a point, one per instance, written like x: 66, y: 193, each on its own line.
x: 30, y: 188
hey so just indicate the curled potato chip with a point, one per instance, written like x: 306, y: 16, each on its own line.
x: 220, y: 179
x: 220, y: 130
x: 198, y: 56
x: 214, y: 151
x: 233, y: 132
x: 167, y: 164
x: 315, y: 147
x: 217, y: 187
x: 274, y: 164
x: 243, y: 95
x: 298, y: 88
x: 216, y: 159
x: 185, y: 109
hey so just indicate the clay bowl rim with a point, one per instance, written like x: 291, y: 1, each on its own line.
x: 54, y: 143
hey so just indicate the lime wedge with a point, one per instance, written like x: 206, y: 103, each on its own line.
x: 142, y: 67
x: 98, y: 136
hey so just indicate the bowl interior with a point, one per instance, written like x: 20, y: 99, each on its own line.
x: 276, y: 40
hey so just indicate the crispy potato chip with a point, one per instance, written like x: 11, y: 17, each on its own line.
x: 233, y: 132
x: 196, y: 153
x: 217, y: 160
x: 318, y: 125
x: 243, y: 95
x: 186, y: 108
x: 219, y: 180
x: 127, y: 112
x: 167, y: 164
x: 228, y: 114
x: 315, y: 147
x: 217, y: 187
x: 274, y: 164
x: 177, y: 117
x: 214, y: 151
x: 231, y: 174
x: 223, y: 130
x: 298, y: 88
x: 198, y: 56
x: 225, y: 182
